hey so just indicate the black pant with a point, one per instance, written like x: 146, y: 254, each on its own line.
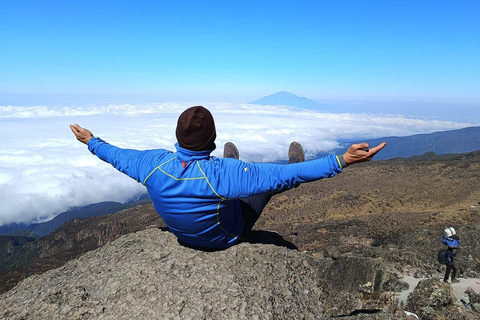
x: 252, y: 208
x: 447, y: 273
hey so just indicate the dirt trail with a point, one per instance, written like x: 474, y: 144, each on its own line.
x: 458, y: 288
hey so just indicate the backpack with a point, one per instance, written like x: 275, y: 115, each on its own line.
x: 442, y: 257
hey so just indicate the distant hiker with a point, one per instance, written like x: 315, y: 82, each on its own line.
x: 450, y: 239
x: 212, y: 202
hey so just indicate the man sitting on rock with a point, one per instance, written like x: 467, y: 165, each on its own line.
x: 211, y: 202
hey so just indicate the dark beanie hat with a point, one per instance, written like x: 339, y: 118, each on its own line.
x: 196, y: 129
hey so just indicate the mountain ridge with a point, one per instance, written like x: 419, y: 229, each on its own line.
x: 44, y: 228
x: 455, y: 141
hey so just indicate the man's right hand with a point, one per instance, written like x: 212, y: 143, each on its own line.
x: 82, y: 134
x: 360, y: 152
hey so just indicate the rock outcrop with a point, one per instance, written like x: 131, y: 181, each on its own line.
x: 149, y: 275
x: 72, y: 239
x: 432, y: 299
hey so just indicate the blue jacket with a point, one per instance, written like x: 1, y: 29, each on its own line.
x: 197, y: 195
x: 450, y: 242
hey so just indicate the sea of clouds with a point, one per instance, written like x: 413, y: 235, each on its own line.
x: 44, y: 170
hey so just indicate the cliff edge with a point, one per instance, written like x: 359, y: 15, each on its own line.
x: 148, y: 275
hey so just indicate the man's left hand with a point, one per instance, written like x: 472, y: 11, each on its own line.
x: 360, y: 152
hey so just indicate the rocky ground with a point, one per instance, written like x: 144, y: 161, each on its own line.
x: 69, y: 241
x: 147, y: 274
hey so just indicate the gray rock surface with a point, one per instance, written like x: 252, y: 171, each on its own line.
x: 432, y: 299
x: 148, y: 275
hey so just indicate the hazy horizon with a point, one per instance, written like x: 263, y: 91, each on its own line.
x: 439, y: 109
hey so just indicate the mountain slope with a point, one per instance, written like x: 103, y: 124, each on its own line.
x: 377, y: 201
x: 93, y: 210
x: 290, y: 99
x: 442, y: 142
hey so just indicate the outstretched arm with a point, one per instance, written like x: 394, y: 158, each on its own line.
x: 238, y: 179
x: 360, y: 152
x: 82, y: 134
x: 134, y: 163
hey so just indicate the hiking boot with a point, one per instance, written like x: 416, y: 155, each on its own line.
x: 230, y: 151
x: 455, y: 281
x: 445, y: 281
x: 295, y: 153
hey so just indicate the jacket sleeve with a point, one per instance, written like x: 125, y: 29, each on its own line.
x: 134, y: 163
x: 238, y: 179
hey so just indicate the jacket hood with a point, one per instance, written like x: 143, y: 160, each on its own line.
x: 189, y: 155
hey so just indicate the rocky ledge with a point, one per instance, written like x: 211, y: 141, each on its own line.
x: 149, y: 275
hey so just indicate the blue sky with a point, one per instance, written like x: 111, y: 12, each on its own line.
x: 239, y: 51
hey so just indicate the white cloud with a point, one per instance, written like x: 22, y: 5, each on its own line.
x: 45, y: 171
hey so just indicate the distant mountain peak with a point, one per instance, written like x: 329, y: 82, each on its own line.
x: 285, y: 94
x: 290, y: 99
